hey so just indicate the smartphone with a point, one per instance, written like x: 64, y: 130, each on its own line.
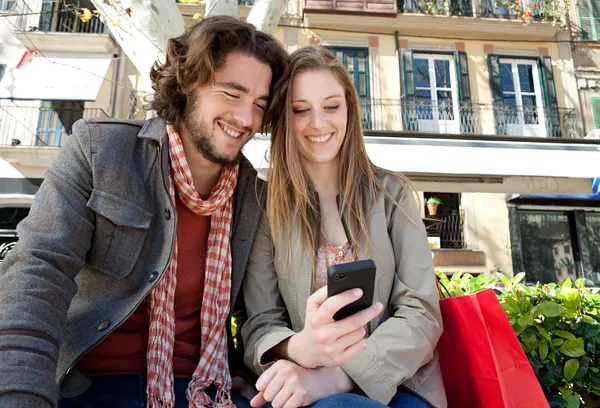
x: 352, y: 275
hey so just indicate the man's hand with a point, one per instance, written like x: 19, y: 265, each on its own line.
x: 287, y: 385
x: 325, y: 342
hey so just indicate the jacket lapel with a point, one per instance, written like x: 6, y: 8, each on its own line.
x: 248, y: 204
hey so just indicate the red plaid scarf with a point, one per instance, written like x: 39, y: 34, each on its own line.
x: 212, y: 367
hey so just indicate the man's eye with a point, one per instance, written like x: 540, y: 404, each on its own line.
x: 233, y: 96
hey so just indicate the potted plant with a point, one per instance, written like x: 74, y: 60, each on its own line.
x: 432, y: 205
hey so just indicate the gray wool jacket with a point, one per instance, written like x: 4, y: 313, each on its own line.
x: 98, y: 239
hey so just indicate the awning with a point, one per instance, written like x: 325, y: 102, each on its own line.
x: 14, y: 187
x: 57, y: 77
x: 512, y: 166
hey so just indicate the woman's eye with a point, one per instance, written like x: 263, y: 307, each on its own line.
x: 261, y: 107
x: 332, y: 108
x: 299, y: 111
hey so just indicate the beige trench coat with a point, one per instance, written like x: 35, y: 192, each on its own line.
x: 401, y: 346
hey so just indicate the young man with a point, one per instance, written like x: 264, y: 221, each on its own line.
x: 119, y: 291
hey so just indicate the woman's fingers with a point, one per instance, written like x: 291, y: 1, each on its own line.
x: 282, y: 397
x: 295, y: 401
x: 315, y: 300
x: 357, y: 320
x: 265, y: 378
x: 258, y: 401
x: 351, y: 338
x: 274, y: 387
x: 330, y: 306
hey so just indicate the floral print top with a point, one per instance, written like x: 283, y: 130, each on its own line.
x: 327, y: 256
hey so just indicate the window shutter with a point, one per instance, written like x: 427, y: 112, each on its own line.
x: 496, y: 88
x: 467, y: 122
x: 596, y: 111
x: 462, y: 70
x: 408, y: 75
x: 408, y: 97
x: 550, y: 102
x: 588, y: 11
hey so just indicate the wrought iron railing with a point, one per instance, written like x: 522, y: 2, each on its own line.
x: 240, y: 2
x: 453, y: 7
x: 46, y: 126
x: 61, y: 16
x: 451, y: 231
x: 469, y: 118
x: 542, y: 10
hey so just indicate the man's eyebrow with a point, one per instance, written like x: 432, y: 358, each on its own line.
x: 241, y: 88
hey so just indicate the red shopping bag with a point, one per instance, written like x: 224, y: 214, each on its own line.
x: 483, y: 364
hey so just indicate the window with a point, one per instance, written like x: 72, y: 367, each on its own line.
x: 436, y: 92
x: 10, y: 217
x: 553, y: 245
x: 447, y: 222
x: 8, y: 5
x: 524, y: 96
x: 592, y: 221
x: 589, y: 16
x: 356, y: 61
x: 56, y: 120
x: 546, y: 241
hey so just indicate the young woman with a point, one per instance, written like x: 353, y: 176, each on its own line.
x: 328, y: 204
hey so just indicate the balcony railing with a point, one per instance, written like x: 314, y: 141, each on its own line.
x: 476, y: 119
x: 541, y: 10
x: 451, y: 231
x: 61, y: 17
x: 240, y: 2
x: 46, y: 126
x: 454, y: 7
x: 355, y: 6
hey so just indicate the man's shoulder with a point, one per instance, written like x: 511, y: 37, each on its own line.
x: 110, y: 125
x: 119, y: 130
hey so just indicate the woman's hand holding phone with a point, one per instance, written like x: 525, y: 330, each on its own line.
x: 325, y: 342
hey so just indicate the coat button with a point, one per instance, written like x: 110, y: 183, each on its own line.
x: 104, y: 325
x: 153, y: 276
x: 167, y: 214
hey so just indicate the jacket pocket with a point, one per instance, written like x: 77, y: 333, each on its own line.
x: 121, y: 229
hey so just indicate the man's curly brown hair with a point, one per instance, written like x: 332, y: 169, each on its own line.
x: 193, y: 58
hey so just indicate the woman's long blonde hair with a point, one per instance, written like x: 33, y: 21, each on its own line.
x: 290, y: 199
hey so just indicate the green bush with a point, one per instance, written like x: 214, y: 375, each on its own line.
x: 558, y: 327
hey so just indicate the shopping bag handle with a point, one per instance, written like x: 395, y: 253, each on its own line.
x: 439, y: 283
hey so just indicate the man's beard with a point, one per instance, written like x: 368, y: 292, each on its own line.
x: 202, y: 136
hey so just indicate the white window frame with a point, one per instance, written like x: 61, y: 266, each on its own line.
x: 521, y: 128
x: 440, y: 125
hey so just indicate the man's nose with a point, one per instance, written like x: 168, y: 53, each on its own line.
x: 244, y: 114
